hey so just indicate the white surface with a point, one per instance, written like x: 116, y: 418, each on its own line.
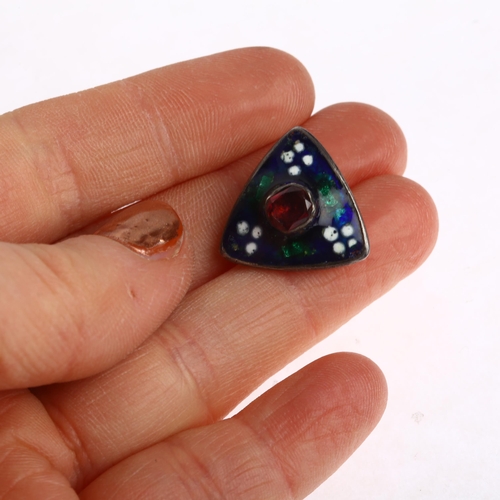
x: 435, y: 67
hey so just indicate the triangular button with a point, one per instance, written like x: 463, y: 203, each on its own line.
x: 296, y: 212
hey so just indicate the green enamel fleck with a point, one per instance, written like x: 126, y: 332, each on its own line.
x: 297, y: 248
x: 324, y: 183
x: 329, y: 200
x: 265, y: 182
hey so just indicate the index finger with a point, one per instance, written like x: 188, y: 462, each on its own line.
x: 69, y: 160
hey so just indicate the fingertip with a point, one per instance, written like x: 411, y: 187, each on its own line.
x: 424, y: 211
x: 283, y: 64
x: 314, y: 420
x: 363, y: 137
x: 406, y: 223
x: 366, y: 381
x: 348, y: 380
x: 283, y: 84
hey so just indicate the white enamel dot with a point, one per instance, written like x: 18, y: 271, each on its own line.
x: 251, y: 248
x: 242, y: 228
x: 257, y: 232
x: 330, y: 233
x: 299, y: 147
x: 351, y: 242
x: 287, y: 156
x: 307, y: 159
x: 339, y: 247
x: 347, y: 230
x: 295, y: 170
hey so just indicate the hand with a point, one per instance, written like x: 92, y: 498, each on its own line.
x: 136, y: 360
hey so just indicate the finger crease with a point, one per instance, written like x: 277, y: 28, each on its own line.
x: 172, y: 332
x: 300, y: 301
x: 73, y: 442
x: 268, y: 447
x: 52, y: 164
x: 209, y: 485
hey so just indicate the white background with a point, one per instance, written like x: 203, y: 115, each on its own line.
x: 434, y: 66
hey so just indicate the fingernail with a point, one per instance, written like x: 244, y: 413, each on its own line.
x: 150, y: 228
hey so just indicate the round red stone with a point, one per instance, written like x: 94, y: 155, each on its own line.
x: 290, y: 208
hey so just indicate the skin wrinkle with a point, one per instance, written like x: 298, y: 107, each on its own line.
x: 206, y: 116
x: 72, y: 441
x: 61, y: 457
x: 129, y: 479
x: 159, y: 127
x: 299, y: 301
x: 74, y: 332
x: 18, y: 479
x: 283, y: 429
x: 165, y: 388
x: 13, y: 211
x: 422, y: 209
x: 66, y: 185
x: 56, y: 174
x: 341, y: 412
x: 225, y: 476
x: 226, y: 357
x: 26, y: 360
x: 27, y: 472
x: 233, y: 187
x: 187, y: 477
x: 22, y: 444
x: 180, y: 346
x: 176, y: 357
x: 270, y: 451
x: 247, y: 489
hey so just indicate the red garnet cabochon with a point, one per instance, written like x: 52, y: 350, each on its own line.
x: 289, y: 208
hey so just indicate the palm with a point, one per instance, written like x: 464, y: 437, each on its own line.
x: 136, y: 363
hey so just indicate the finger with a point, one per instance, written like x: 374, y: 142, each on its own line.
x: 231, y: 334
x: 72, y: 309
x: 69, y: 160
x: 282, y: 446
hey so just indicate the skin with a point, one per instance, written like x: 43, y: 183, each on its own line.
x: 133, y: 362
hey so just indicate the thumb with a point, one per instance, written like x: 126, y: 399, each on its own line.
x: 72, y: 309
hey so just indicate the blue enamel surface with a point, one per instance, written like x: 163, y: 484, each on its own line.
x: 308, y: 248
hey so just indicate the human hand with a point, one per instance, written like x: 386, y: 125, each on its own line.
x: 137, y: 360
